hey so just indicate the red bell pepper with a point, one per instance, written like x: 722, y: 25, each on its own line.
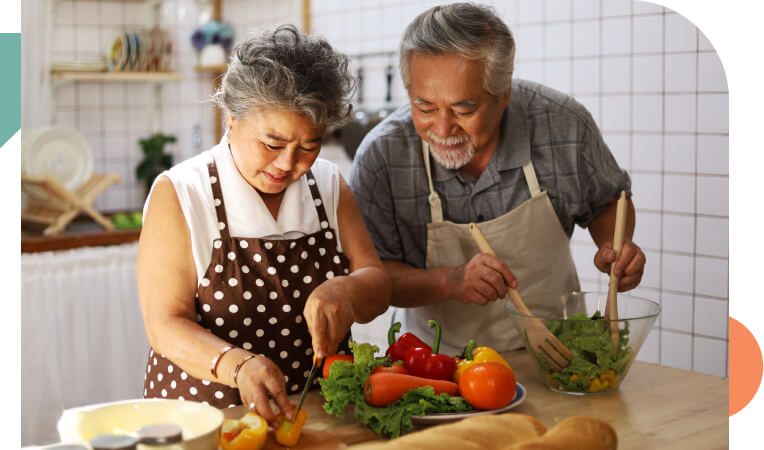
x: 397, y: 350
x: 427, y: 363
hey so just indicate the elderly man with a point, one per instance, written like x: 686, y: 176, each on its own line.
x: 523, y: 161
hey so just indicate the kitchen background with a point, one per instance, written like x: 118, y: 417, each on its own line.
x: 650, y: 78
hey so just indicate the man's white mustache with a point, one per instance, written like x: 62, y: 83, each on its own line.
x: 450, y: 140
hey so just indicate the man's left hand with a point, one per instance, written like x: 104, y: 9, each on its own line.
x: 629, y: 267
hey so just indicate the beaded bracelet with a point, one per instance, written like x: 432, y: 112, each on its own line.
x: 238, y: 367
x: 216, y: 360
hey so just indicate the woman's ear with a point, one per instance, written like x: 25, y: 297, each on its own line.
x: 230, y: 120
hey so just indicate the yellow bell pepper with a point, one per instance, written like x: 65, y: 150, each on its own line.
x: 473, y: 355
x: 605, y: 380
x: 288, y: 432
x: 247, y: 433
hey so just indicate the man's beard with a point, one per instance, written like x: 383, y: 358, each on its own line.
x: 455, y: 158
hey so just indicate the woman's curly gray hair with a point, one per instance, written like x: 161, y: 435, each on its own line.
x: 287, y: 69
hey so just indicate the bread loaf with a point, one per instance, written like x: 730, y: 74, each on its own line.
x: 574, y: 433
x: 506, y: 432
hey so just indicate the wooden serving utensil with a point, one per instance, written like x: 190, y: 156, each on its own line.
x: 611, y: 307
x: 540, y: 338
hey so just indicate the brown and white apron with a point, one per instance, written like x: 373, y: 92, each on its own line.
x: 253, y: 295
x: 529, y: 239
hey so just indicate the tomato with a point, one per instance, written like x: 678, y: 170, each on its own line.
x: 489, y: 385
x: 329, y: 360
x: 395, y: 368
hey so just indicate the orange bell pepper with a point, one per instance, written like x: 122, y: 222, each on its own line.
x: 247, y: 433
x: 288, y: 432
x: 473, y: 355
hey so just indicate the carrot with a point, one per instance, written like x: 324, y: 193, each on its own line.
x: 384, y: 388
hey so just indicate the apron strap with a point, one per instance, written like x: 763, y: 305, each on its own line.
x: 530, y: 178
x: 436, y: 209
x: 217, y: 195
x: 314, y: 192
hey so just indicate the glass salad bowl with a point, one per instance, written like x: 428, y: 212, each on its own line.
x: 597, y: 365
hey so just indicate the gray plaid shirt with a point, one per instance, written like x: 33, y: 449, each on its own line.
x: 572, y: 162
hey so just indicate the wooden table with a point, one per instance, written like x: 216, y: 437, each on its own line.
x: 657, y: 407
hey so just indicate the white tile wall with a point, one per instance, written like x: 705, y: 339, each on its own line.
x: 679, y: 153
x: 676, y: 350
x: 710, y: 356
x: 677, y: 312
x: 678, y: 233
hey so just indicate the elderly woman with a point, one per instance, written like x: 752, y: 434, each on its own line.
x: 254, y: 258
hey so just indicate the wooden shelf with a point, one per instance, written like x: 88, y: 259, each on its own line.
x: 155, y: 77
x: 220, y: 68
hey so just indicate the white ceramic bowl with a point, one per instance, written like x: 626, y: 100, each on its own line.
x: 200, y: 423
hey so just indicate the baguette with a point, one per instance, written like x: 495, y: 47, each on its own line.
x: 478, y: 433
x: 574, y: 433
x: 508, y: 431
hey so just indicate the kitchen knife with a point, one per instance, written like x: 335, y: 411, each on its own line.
x: 308, y: 382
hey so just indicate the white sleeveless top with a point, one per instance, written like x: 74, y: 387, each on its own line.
x: 247, y: 214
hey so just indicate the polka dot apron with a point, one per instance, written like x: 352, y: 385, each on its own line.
x: 253, y: 295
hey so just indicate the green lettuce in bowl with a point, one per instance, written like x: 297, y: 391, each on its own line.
x: 597, y: 365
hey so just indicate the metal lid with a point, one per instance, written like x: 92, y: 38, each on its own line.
x: 114, y: 442
x: 159, y: 434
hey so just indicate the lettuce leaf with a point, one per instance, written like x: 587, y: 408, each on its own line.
x: 344, y: 388
x: 589, y: 340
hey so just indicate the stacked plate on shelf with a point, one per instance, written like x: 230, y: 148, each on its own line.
x: 141, y: 51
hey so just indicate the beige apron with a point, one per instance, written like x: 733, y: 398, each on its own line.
x: 529, y: 239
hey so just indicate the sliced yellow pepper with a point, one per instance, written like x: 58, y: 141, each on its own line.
x: 473, y: 355
x: 605, y: 380
x: 288, y: 432
x: 248, y: 433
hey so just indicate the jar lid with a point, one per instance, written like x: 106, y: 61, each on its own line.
x: 113, y: 442
x: 161, y: 433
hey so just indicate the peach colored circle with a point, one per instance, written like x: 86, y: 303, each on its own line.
x: 745, y: 366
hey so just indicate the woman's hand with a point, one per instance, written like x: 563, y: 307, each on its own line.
x: 629, y: 267
x: 259, y: 381
x: 329, y: 315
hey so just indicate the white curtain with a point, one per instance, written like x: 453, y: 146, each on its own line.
x: 82, y: 336
x: 36, y: 26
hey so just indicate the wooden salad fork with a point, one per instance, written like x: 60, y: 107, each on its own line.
x: 540, y: 338
x: 611, y: 307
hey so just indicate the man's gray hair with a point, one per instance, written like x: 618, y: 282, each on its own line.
x: 466, y: 29
x: 288, y: 70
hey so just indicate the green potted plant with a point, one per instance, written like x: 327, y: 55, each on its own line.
x: 155, y: 160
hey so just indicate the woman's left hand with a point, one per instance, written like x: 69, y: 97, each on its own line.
x: 329, y: 315
x: 629, y: 267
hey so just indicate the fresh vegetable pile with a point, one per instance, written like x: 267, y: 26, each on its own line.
x: 413, y: 380
x: 596, y: 365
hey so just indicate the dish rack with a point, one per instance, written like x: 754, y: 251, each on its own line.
x: 52, y: 207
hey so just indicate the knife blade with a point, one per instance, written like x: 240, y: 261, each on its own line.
x: 308, y: 382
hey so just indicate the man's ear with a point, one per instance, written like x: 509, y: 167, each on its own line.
x: 505, y: 99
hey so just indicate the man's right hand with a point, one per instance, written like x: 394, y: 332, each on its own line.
x: 483, y: 279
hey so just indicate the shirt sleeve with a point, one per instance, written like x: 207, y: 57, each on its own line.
x: 601, y: 178
x: 370, y: 183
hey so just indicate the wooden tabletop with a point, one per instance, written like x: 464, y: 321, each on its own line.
x: 657, y: 407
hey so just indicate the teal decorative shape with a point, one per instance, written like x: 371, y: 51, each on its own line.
x: 10, y: 85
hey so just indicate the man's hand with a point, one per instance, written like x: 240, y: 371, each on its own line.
x: 329, y: 315
x: 483, y: 279
x: 629, y: 267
